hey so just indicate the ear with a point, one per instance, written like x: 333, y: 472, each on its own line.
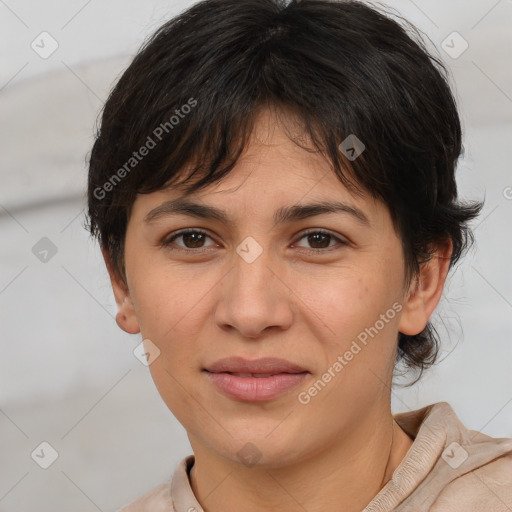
x: 425, y: 291
x: 126, y: 318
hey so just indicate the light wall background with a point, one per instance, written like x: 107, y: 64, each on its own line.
x: 68, y: 375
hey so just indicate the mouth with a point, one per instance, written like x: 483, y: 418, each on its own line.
x: 254, y: 381
x: 264, y: 367
x: 255, y: 375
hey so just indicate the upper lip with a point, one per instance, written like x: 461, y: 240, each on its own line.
x: 263, y: 365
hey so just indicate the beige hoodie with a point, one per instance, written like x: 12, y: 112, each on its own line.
x: 448, y: 468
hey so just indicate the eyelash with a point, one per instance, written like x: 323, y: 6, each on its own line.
x: 168, y: 241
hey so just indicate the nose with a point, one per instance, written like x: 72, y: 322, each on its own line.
x: 255, y: 298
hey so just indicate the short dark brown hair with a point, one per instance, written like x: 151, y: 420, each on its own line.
x: 193, y: 91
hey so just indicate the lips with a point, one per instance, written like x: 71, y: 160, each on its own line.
x: 263, y: 367
x: 254, y: 381
x: 252, y: 374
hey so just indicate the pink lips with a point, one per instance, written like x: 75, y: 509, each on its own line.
x: 254, y: 381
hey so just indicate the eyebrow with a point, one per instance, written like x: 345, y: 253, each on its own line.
x: 282, y: 215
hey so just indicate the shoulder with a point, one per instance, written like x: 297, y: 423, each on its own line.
x: 485, y: 488
x: 450, y: 468
x: 156, y: 500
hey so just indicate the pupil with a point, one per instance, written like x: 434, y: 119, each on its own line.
x: 195, y: 239
x: 319, y: 237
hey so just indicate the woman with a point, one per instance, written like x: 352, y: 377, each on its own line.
x: 273, y: 190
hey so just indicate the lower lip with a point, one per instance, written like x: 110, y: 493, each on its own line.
x: 255, y: 389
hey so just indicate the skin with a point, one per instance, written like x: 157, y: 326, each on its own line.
x: 337, y: 451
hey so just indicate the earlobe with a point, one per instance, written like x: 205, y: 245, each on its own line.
x: 126, y: 318
x: 425, y: 291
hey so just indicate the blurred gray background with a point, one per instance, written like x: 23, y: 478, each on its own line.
x: 68, y: 375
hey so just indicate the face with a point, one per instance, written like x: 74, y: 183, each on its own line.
x: 265, y: 277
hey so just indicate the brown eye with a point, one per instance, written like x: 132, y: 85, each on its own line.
x: 319, y: 240
x: 191, y: 239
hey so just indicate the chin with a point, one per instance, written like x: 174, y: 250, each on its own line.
x: 260, y: 451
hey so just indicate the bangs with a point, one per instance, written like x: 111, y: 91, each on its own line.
x: 208, y: 153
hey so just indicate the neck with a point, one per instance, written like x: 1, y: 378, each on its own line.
x: 345, y: 476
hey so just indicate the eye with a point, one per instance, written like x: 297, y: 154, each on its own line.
x: 320, y: 240
x: 193, y: 239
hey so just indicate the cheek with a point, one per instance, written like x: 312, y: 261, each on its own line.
x: 171, y: 310
x: 346, y: 303
x: 174, y: 308
x: 360, y: 315
x: 358, y: 351
x: 163, y: 296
